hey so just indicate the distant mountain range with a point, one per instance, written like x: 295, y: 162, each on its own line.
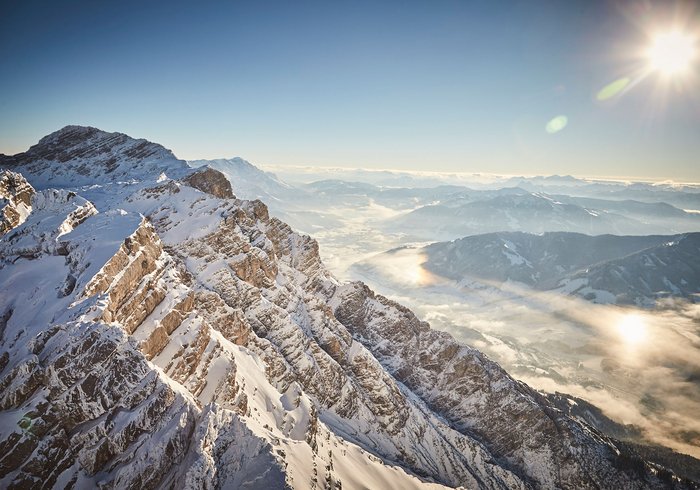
x: 514, y: 209
x: 606, y: 250
x: 606, y: 268
x: 446, y: 212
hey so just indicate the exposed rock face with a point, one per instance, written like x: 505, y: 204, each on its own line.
x: 15, y: 200
x: 99, y: 409
x: 170, y: 336
x: 212, y: 182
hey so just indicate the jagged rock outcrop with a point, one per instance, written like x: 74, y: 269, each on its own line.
x: 212, y: 182
x: 104, y: 415
x: 15, y: 200
x: 163, y: 334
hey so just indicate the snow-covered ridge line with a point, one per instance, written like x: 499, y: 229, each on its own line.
x: 214, y: 349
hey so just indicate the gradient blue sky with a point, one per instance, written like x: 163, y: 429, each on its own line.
x: 444, y: 85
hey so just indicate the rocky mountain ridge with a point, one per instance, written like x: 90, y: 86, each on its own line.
x: 157, y: 332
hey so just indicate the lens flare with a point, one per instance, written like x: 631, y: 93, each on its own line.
x: 556, y: 124
x: 613, y: 89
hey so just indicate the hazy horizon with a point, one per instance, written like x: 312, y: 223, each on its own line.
x: 302, y: 168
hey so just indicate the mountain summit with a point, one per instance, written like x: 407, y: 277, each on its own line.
x: 78, y: 155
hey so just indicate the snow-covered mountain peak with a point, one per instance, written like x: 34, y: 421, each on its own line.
x: 80, y: 155
x: 73, y: 132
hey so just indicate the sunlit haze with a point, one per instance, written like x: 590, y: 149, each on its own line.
x: 632, y: 329
x: 504, y: 87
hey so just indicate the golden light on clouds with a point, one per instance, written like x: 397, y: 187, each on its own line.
x: 632, y: 329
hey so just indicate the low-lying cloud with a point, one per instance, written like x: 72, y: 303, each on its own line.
x: 639, y: 366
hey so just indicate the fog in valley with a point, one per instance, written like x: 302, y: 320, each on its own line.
x: 638, y: 361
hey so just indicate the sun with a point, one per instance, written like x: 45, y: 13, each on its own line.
x: 671, y: 53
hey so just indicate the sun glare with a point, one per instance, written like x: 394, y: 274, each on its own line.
x: 671, y: 53
x: 632, y: 329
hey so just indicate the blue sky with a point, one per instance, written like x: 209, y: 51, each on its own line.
x: 451, y: 86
